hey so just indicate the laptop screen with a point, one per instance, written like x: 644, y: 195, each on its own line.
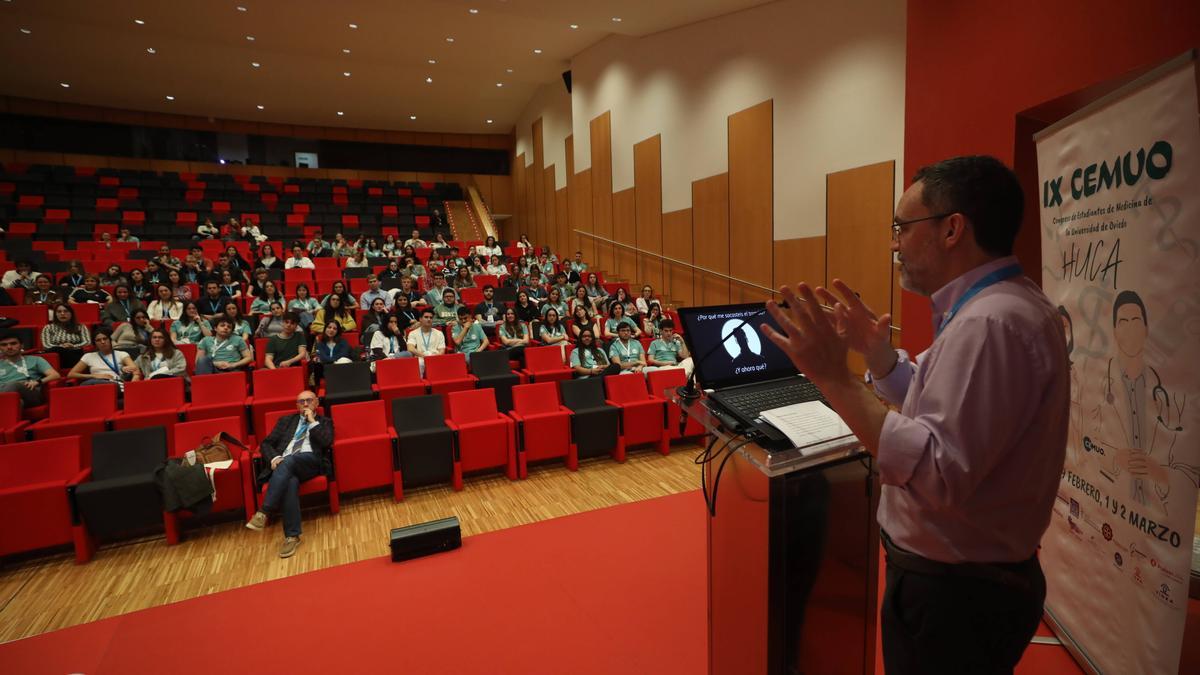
x: 738, y: 352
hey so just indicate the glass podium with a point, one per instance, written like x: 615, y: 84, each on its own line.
x: 792, y: 556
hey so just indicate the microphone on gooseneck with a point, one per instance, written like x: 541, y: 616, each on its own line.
x: 688, y: 392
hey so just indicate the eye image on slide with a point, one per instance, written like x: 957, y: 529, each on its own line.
x: 746, y: 346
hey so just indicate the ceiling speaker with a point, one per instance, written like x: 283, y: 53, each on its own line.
x: 567, y: 80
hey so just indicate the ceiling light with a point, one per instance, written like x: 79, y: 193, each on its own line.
x: 64, y: 85
x: 139, y: 22
x: 508, y: 70
x: 432, y: 62
x: 170, y: 98
x: 574, y: 26
x: 449, y: 39
x: 346, y: 74
x: 250, y: 38
x: 489, y: 121
x: 26, y: 31
x: 256, y: 64
x: 473, y: 11
x: 260, y: 107
x: 412, y: 117
x: 499, y: 84
x: 353, y: 25
x: 537, y: 51
x: 616, y: 19
x: 345, y: 51
x: 340, y: 113
x: 429, y: 80
x: 150, y: 50
x: 240, y: 8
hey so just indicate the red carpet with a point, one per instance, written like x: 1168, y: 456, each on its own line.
x: 618, y: 590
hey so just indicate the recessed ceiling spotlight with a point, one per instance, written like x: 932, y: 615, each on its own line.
x: 340, y: 113
x: 449, y: 39
x: 256, y: 64
x: 429, y: 80
x: 151, y: 50
x: 345, y: 51
x: 139, y: 22
x: 473, y: 11
x: 508, y: 70
x: 574, y: 26
x: 64, y: 85
x: 260, y: 107
x: 26, y: 31
x: 499, y: 84
x: 537, y: 51
x: 170, y: 98
x: 489, y: 121
x: 412, y: 117
x: 240, y: 8
x: 250, y: 38
x: 432, y: 62
x: 353, y: 25
x: 346, y: 74
x: 616, y: 19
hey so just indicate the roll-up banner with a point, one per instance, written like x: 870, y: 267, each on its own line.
x: 1120, y: 216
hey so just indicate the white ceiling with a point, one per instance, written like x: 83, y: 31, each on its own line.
x: 203, y: 58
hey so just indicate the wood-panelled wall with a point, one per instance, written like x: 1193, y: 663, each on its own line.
x: 25, y: 106
x: 728, y: 230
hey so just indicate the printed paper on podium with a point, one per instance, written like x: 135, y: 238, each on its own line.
x: 812, y: 427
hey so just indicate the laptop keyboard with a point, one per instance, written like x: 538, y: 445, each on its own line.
x: 752, y: 402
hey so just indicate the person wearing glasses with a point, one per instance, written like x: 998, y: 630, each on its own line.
x: 983, y: 417
x: 296, y: 450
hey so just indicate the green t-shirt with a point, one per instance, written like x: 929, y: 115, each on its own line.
x: 612, y: 324
x: 282, y: 349
x: 25, y: 368
x: 444, y: 314
x: 191, y: 333
x: 583, y: 358
x: 472, y: 339
x: 223, y: 350
x: 625, y: 352
x: 665, y: 351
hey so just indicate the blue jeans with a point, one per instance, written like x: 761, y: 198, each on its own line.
x: 283, y: 489
x: 204, y: 366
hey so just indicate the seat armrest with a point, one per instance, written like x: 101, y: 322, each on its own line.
x: 82, y: 477
x: 518, y: 417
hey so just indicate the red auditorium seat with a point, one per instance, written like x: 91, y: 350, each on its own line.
x: 30, y: 201
x: 273, y: 390
x: 389, y: 210
x: 363, y: 446
x: 151, y: 403
x: 131, y: 218
x: 658, y: 381
x: 349, y: 220
x: 35, y: 478
x: 107, y: 204
x: 56, y: 216
x: 85, y: 171
x: 398, y: 378
x: 291, y: 189
x: 127, y: 194
x: 221, y: 207
x: 643, y: 417
x: 193, y: 196
x: 483, y: 437
x: 374, y: 192
x: 109, y: 181
x: 300, y: 208
x: 308, y: 487
x: 447, y: 373
x: 22, y: 229
x: 77, y: 411
x: 270, y: 200
x: 87, y: 312
x: 296, y: 220
x: 12, y: 427
x: 421, y: 221
x: 186, y: 218
x: 216, y: 396
x: 543, y: 426
x: 235, y: 485
x: 545, y: 364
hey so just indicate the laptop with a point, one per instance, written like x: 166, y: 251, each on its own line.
x: 745, y: 372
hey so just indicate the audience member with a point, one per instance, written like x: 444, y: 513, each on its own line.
x: 105, y: 365
x: 627, y: 351
x: 65, y: 336
x: 289, y: 348
x: 25, y: 375
x: 468, y: 336
x: 192, y: 327
x: 161, y: 358
x: 133, y: 336
x: 223, y: 351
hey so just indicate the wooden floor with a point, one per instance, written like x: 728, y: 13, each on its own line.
x: 49, y: 593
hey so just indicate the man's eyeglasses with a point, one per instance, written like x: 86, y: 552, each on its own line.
x: 306, y: 401
x: 899, y: 225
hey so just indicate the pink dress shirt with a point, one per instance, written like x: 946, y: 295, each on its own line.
x: 971, y: 463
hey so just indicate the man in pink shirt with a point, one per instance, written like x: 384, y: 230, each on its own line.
x: 971, y: 461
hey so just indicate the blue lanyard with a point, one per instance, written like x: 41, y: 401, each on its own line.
x: 111, y: 366
x: 993, y: 278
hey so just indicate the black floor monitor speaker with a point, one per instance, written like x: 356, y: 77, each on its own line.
x: 422, y: 539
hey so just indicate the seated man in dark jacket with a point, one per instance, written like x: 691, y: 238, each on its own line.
x: 296, y: 450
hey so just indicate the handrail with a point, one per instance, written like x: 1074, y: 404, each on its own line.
x: 705, y: 270
x: 485, y: 214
